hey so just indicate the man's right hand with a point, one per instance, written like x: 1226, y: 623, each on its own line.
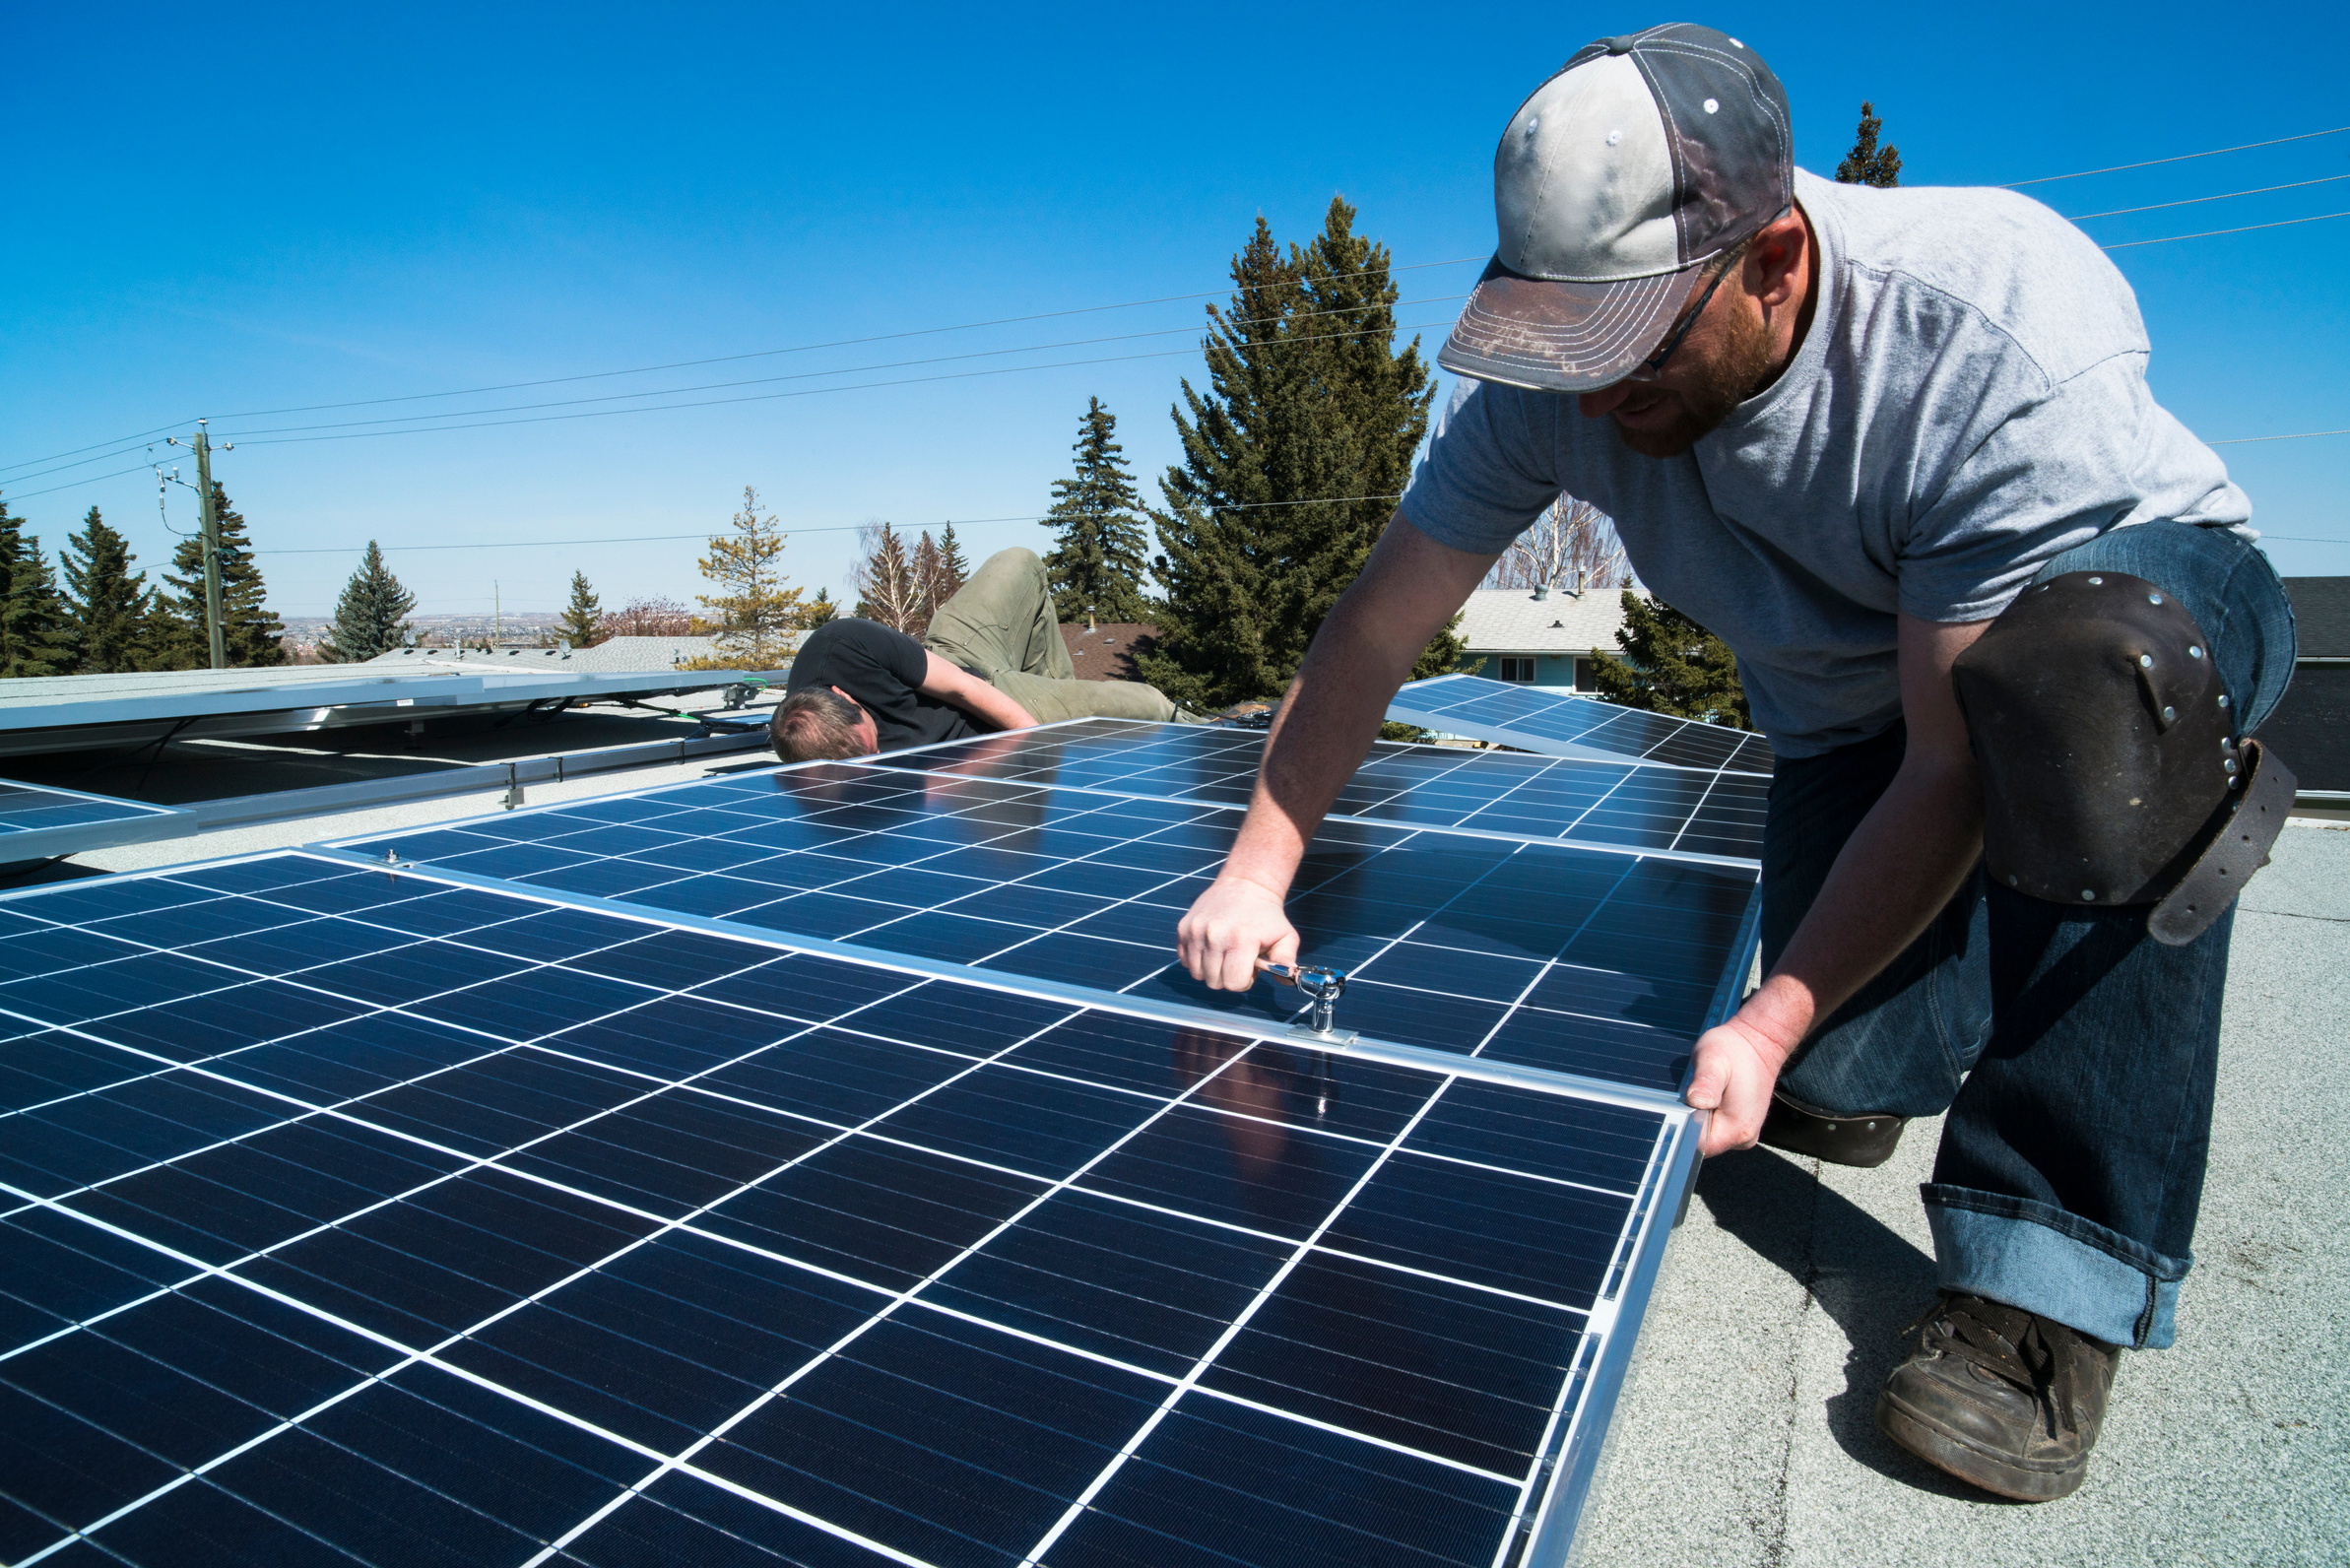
x: 1228, y: 928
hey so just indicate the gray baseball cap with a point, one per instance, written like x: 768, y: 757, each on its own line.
x: 1618, y: 180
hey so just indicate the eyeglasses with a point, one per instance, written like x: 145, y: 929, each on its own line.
x: 1649, y: 368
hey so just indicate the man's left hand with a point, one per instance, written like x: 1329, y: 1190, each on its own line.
x: 1737, y: 1064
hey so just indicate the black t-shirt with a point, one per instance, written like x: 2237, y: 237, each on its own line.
x: 884, y: 670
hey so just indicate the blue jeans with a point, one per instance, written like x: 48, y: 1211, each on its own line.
x: 2075, y: 1055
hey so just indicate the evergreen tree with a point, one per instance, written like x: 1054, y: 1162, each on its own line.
x: 1292, y: 462
x: 930, y: 576
x: 1097, y: 565
x: 108, y: 604
x: 953, y: 569
x: 756, y: 609
x: 583, y: 617
x: 815, y: 611
x: 1869, y: 164
x: 251, y: 631
x: 36, y: 634
x: 371, y: 615
x: 1672, y: 664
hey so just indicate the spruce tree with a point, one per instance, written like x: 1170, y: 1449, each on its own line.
x: 755, y: 610
x: 251, y: 631
x: 1097, y: 565
x: 815, y: 611
x: 953, y: 569
x: 1291, y: 464
x: 1869, y: 164
x: 107, y: 603
x: 582, y: 624
x: 1672, y: 664
x: 371, y: 615
x: 929, y: 574
x: 36, y: 635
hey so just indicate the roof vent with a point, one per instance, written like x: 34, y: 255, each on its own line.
x: 1541, y: 592
x: 1558, y: 625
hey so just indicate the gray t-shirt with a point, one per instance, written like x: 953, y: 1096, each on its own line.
x: 1969, y: 401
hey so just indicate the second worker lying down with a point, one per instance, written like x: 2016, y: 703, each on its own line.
x: 993, y: 659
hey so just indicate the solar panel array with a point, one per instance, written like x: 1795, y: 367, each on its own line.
x: 1563, y: 724
x: 500, y: 1213
x: 1546, y: 954
x: 37, y: 822
x: 1579, y: 801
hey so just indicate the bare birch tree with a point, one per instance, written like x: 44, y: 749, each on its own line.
x: 887, y: 591
x: 1573, y: 545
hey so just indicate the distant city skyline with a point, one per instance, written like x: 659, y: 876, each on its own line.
x: 284, y: 210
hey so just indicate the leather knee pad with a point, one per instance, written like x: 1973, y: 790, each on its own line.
x: 2111, y: 763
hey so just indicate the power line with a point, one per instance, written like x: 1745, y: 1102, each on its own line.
x: 806, y: 348
x: 2298, y: 435
x: 2284, y: 222
x: 2182, y: 157
x: 853, y: 370
x: 2195, y: 200
x: 726, y: 359
x: 161, y: 430
x: 75, y: 483
x: 829, y: 528
x: 803, y: 392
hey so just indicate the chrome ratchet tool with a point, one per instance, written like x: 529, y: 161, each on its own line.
x: 1322, y: 988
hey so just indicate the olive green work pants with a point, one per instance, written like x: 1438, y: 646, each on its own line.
x: 1001, y: 627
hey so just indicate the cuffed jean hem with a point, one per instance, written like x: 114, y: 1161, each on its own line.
x: 2053, y: 1263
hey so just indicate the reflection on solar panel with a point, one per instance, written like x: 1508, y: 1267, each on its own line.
x: 1561, y: 724
x: 1578, y: 961
x: 357, y: 1215
x: 37, y: 822
x: 1583, y: 801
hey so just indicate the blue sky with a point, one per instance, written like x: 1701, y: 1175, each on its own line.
x: 243, y: 209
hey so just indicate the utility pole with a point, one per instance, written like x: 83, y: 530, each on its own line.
x: 201, y: 444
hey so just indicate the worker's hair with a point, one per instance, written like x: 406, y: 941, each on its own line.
x: 816, y: 722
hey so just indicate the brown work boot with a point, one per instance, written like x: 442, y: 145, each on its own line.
x: 2000, y: 1397
x: 1863, y: 1141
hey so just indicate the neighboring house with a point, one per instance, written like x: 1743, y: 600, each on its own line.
x: 1541, y: 636
x: 2311, y: 727
x: 1105, y: 652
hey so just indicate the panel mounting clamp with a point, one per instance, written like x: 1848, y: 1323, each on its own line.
x: 1322, y: 988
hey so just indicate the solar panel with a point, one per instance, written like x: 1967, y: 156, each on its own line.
x: 37, y: 822
x: 75, y: 713
x: 1563, y: 724
x: 347, y: 1214
x: 1580, y: 801
x: 1598, y: 964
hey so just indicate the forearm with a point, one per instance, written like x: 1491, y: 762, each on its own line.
x: 1325, y: 728
x: 974, y: 697
x: 984, y: 702
x: 1899, y: 868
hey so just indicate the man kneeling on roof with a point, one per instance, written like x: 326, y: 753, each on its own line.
x: 993, y: 659
x: 2004, y: 622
